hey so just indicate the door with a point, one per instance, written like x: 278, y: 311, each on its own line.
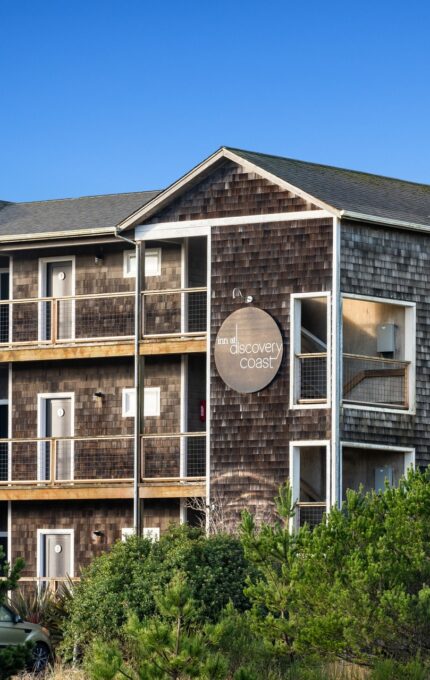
x: 59, y: 321
x: 58, y: 422
x: 56, y: 555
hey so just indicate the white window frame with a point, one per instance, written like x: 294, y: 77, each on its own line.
x: 294, y: 471
x: 130, y: 254
x: 41, y: 423
x: 41, y: 533
x: 410, y: 352
x: 153, y: 533
x: 409, y: 453
x: 295, y: 342
x: 130, y: 412
x: 43, y: 262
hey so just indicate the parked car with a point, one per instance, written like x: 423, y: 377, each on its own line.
x: 15, y: 631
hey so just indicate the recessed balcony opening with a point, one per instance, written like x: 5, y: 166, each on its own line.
x: 373, y: 469
x: 310, y: 341
x: 378, y: 353
x: 308, y: 475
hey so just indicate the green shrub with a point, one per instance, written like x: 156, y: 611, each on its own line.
x: 127, y: 580
x: 356, y: 587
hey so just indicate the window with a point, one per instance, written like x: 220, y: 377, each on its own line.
x: 153, y: 533
x: 6, y: 615
x: 310, y: 345
x: 126, y: 533
x: 151, y: 402
x: 152, y: 262
x: 309, y: 477
x: 378, y: 353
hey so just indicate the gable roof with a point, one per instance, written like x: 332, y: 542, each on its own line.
x: 350, y: 190
x: 92, y: 214
x: 343, y: 193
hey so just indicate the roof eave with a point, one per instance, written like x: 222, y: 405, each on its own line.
x: 402, y: 224
x: 48, y: 235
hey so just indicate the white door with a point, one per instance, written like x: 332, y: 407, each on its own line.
x: 58, y: 284
x: 56, y: 557
x: 57, y: 422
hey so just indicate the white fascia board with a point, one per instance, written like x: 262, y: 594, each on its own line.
x: 177, y: 187
x: 56, y: 234
x: 162, y: 230
x: 403, y: 224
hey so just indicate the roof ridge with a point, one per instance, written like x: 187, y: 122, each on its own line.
x: 331, y: 167
x: 79, y: 198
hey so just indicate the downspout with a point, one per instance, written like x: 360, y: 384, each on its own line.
x: 336, y: 370
x: 138, y: 416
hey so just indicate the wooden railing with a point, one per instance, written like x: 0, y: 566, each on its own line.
x: 375, y: 381
x: 102, y: 317
x: 101, y: 461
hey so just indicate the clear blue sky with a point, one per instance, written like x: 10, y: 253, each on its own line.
x: 102, y: 96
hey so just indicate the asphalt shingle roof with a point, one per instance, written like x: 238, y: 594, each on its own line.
x: 69, y: 214
x: 350, y: 190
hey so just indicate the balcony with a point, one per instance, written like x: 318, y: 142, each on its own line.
x: 173, y: 465
x: 312, y: 378
x: 375, y: 381
x: 86, y: 323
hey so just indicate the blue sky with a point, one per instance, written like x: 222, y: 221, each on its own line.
x: 100, y: 96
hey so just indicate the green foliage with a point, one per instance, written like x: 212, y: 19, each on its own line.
x: 14, y: 659
x: 356, y: 587
x: 163, y: 647
x: 129, y: 578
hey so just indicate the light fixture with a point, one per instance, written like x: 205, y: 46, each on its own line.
x: 237, y: 294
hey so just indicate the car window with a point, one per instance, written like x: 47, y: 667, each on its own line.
x: 5, y: 615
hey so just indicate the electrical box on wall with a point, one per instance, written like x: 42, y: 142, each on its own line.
x: 386, y: 338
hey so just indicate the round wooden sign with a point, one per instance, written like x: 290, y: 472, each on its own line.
x: 248, y: 350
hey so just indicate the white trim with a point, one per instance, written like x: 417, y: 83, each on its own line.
x: 11, y: 298
x: 183, y: 414
x: 387, y: 221
x: 295, y: 339
x: 46, y: 532
x: 208, y: 379
x: 42, y: 398
x: 41, y: 236
x: 9, y: 420
x: 294, y: 470
x: 9, y: 531
x: 200, y: 227
x: 336, y: 367
x: 42, y: 286
x: 182, y: 510
x: 410, y: 352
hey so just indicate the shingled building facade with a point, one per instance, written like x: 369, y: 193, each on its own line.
x: 115, y: 415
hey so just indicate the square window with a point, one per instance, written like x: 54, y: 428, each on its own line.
x: 152, y: 262
x: 151, y: 402
x: 153, y: 533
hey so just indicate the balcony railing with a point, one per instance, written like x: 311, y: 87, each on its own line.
x: 102, y: 317
x: 310, y: 513
x: 312, y: 378
x: 104, y: 460
x: 375, y: 381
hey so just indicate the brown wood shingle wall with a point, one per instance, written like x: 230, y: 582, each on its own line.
x: 250, y: 434
x: 391, y: 264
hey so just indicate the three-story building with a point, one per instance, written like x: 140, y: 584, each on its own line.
x: 168, y: 353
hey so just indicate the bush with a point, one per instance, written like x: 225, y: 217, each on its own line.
x: 356, y: 587
x: 128, y: 579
